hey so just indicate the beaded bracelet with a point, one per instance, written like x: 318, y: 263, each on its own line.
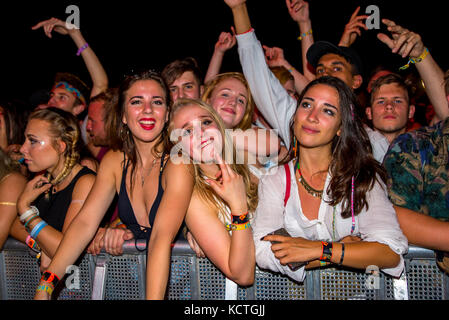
x: 80, y: 50
x: 303, y: 35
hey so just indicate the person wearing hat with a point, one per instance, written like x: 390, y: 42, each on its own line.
x: 272, y: 100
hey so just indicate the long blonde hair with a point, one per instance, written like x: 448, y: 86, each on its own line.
x: 201, y: 186
x: 247, y: 119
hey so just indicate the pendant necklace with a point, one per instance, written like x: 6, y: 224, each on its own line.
x: 142, y: 176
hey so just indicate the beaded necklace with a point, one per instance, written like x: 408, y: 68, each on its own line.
x: 314, y: 192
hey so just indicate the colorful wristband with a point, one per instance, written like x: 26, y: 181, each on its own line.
x: 26, y: 225
x: 303, y: 35
x: 50, y: 278
x: 45, y: 288
x: 342, y: 254
x: 416, y: 60
x: 240, y: 219
x: 80, y: 50
x: 237, y: 227
x: 37, y: 228
x: 327, y: 251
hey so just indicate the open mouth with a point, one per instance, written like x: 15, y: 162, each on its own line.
x: 228, y: 110
x: 147, y: 124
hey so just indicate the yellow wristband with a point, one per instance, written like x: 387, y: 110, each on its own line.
x: 45, y: 288
x: 236, y: 227
x: 303, y: 35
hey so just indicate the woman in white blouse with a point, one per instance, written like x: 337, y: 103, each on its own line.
x: 331, y: 197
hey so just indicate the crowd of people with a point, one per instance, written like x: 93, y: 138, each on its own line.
x: 285, y: 169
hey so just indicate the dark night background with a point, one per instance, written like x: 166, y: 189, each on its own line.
x: 134, y: 34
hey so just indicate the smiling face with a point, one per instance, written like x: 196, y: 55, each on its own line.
x: 198, y: 131
x: 145, y: 110
x: 230, y: 99
x: 318, y: 117
x: 40, y: 149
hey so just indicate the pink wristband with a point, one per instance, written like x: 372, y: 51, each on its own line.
x: 84, y: 47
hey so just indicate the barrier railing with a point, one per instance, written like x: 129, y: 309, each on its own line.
x: 123, y: 278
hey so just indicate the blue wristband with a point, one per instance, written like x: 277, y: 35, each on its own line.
x: 41, y: 225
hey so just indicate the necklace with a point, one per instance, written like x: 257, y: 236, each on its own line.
x: 314, y: 192
x: 144, y: 176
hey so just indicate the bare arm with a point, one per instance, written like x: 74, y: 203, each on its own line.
x: 423, y: 231
x: 407, y: 43
x: 299, y: 12
x: 93, y: 64
x: 225, y: 42
x: 171, y: 213
x: 10, y: 189
x: 83, y: 228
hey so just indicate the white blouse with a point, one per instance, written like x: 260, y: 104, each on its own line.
x: 377, y: 224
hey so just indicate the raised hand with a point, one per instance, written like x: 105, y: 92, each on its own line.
x: 231, y: 188
x: 353, y: 29
x: 274, y: 56
x: 55, y: 24
x: 225, y: 41
x: 402, y: 41
x: 298, y: 10
x: 234, y: 3
x: 33, y: 189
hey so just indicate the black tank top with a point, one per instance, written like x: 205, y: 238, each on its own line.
x: 54, y: 209
x: 125, y: 209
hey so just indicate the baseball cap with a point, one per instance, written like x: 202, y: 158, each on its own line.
x: 320, y: 48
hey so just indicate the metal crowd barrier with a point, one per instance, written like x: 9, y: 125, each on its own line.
x: 106, y: 277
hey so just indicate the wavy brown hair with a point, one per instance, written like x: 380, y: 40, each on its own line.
x: 204, y: 190
x: 125, y: 141
x: 351, y: 152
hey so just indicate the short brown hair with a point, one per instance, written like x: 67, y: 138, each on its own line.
x: 109, y: 113
x: 388, y: 79
x: 176, y: 68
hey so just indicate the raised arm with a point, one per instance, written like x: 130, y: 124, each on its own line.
x: 93, y: 64
x: 272, y: 100
x: 225, y: 42
x: 299, y: 12
x: 409, y: 44
x: 275, y: 58
x: 352, y: 29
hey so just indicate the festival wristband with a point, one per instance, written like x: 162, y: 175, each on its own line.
x: 237, y: 227
x: 45, y: 288
x: 50, y: 278
x: 240, y: 219
x: 342, y: 254
x: 327, y: 251
x: 80, y: 50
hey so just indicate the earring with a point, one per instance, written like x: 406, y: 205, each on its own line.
x: 295, y: 145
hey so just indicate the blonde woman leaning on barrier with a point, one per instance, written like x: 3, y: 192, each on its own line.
x: 51, y: 200
x: 336, y: 192
x: 144, y: 105
x: 224, y: 196
x: 12, y: 183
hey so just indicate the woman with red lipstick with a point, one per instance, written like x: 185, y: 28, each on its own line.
x: 329, y: 195
x: 50, y: 201
x: 230, y: 96
x: 154, y: 193
x: 223, y: 195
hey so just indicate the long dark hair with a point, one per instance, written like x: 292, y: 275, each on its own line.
x: 125, y: 141
x: 351, y: 152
